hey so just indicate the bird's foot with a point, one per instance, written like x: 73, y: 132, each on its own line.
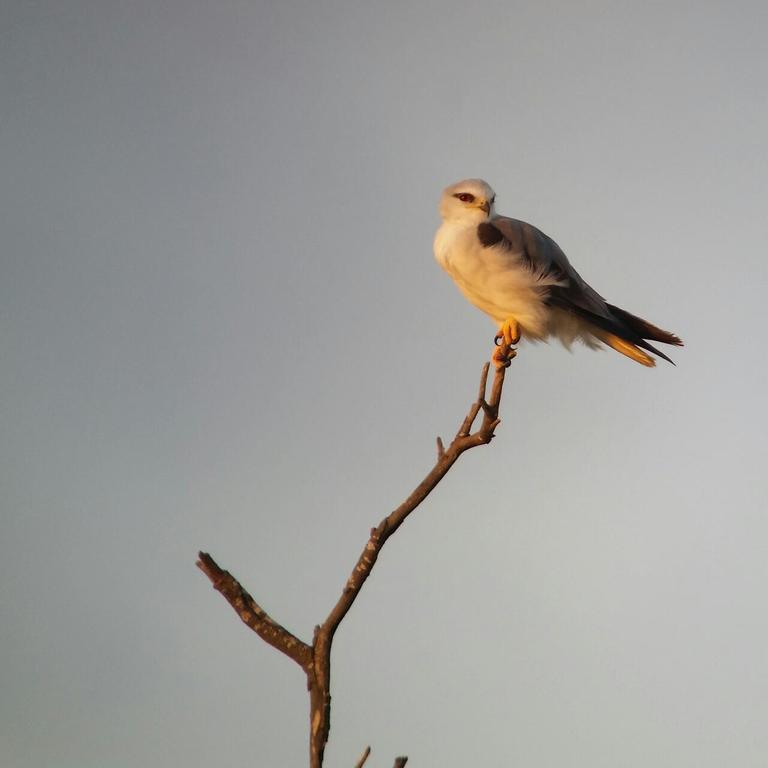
x: 508, y: 335
x: 509, y: 332
x: 503, y: 356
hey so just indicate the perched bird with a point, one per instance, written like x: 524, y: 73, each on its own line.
x: 521, y: 278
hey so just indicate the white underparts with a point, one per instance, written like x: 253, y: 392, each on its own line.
x: 501, y: 283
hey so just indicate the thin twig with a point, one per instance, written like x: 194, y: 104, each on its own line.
x: 400, y: 762
x: 361, y: 762
x: 253, y: 615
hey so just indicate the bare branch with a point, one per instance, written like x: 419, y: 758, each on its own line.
x: 252, y: 614
x: 469, y: 420
x: 361, y: 762
x: 379, y: 535
x: 483, y: 386
x: 316, y: 659
x: 463, y: 441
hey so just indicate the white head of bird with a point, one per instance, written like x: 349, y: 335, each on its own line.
x: 469, y: 201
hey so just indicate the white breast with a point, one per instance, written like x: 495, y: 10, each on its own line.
x: 495, y: 280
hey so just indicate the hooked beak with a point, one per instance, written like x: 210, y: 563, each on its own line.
x: 485, y: 206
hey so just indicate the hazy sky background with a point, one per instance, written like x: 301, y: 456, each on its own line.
x: 223, y: 328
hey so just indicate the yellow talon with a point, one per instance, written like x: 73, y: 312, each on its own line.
x: 509, y: 334
x: 509, y: 331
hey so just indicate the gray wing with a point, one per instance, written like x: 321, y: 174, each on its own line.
x: 545, y: 257
x: 572, y: 294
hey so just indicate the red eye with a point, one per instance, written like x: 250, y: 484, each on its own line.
x: 465, y: 197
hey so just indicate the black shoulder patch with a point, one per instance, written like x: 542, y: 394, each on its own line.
x: 488, y: 234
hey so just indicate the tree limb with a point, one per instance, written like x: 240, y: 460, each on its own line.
x: 315, y: 660
x: 253, y: 615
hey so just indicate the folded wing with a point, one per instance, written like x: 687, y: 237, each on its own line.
x: 619, y: 329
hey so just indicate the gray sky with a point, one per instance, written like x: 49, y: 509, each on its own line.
x: 223, y: 328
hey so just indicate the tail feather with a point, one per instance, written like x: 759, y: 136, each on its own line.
x: 643, y: 328
x: 656, y: 351
x: 619, y: 329
x: 625, y: 347
x: 624, y: 337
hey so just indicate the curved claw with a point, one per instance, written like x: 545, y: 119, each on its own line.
x: 509, y: 332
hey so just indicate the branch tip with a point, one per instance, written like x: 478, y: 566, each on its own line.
x: 209, y: 567
x: 361, y: 761
x: 483, y: 382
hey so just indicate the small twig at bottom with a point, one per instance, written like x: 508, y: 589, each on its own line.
x: 361, y: 762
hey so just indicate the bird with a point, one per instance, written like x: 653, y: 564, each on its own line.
x: 521, y: 278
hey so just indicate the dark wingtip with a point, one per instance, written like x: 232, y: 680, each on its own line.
x: 645, y: 345
x: 643, y: 328
x: 669, y: 338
